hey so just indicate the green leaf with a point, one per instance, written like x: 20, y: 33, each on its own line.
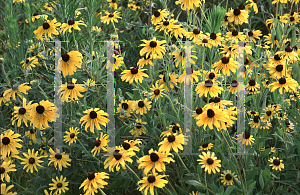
x: 196, y: 184
x: 229, y: 190
x: 264, y: 153
x: 251, y: 187
x: 261, y: 181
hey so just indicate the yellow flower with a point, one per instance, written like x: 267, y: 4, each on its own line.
x: 71, y: 24
x: 48, y: 28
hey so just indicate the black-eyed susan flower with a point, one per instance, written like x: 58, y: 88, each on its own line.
x: 195, y: 35
x: 276, y: 163
x: 30, y: 62
x: 180, y: 56
x: 206, y: 146
x: 269, y: 113
x: 154, y: 161
x: 255, y: 122
x: 92, y: 119
x: 227, y: 177
x: 100, y: 144
x: 48, y: 28
x: 71, y: 24
x: 289, y: 54
x: 127, y: 106
x: 212, y: 117
x: 252, y: 35
x: 218, y: 103
x: 59, y: 159
x: 245, y: 138
x: 142, y: 106
x: 41, y: 113
x: 49, y: 6
x: 166, y: 25
x: 59, y: 185
x: 163, y: 81
x: 189, y: 4
x: 70, y: 62
x: 277, y: 71
x: 209, y: 162
x: 111, y: 17
x: 22, y: 114
x: 32, y: 135
x: 5, y: 168
x: 178, y: 31
x: 71, y: 135
x: 264, y: 124
x: 197, y: 112
x: 139, y: 128
x: 11, y: 93
x: 159, y: 15
x: 252, y: 85
x: 113, y: 4
x: 131, y: 145
x: 132, y: 6
x: 226, y: 65
x: 9, y: 142
x: 4, y: 99
x: 31, y: 160
x: 153, y: 47
x: 147, y: 59
x: 134, y: 74
x: 151, y: 181
x: 172, y: 142
x: 208, y: 87
x: 237, y: 16
x: 117, y: 63
x: 204, y: 43
x: 157, y: 89
x: 36, y: 16
x: 93, y: 181
x: 173, y: 129
x: 117, y: 158
x: 215, y: 39
x: 235, y: 35
x: 284, y: 84
x: 71, y: 91
x: 233, y: 86
x: 272, y: 149
x: 4, y: 189
x: 288, y: 126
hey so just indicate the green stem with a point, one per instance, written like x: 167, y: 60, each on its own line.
x: 132, y: 171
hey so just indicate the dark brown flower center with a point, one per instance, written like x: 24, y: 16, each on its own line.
x: 175, y: 128
x: 125, y: 106
x: 287, y: 124
x: 252, y: 83
x: 280, y: 114
x: 111, y: 15
x: 208, y: 83
x: 210, y: 113
x: 146, y: 58
x: 2, y: 170
x: 40, y: 109
x: 134, y: 70
x: 210, y: 161
x: 269, y: 113
x: 282, y: 81
x: 236, y: 11
x: 5, y: 140
x: 93, y: 114
x: 256, y: 119
x: 228, y: 177
x: 35, y: 14
x: 32, y: 131
x: 277, y: 57
x: 246, y: 134
x: 71, y: 22
x: 46, y: 25
x: 43, y: 147
x: 31, y: 160
x: 250, y: 33
x: 279, y: 68
x: 234, y: 83
x: 196, y: 31
x: 171, y: 138
x: 141, y: 104
x: 22, y: 111
x: 58, y: 156
x: 199, y: 110
x: 211, y: 75
x: 213, y: 36
x: 292, y: 18
x: 225, y: 60
x: 205, y: 40
x: 97, y: 143
x: 205, y: 145
x: 288, y: 49
x: 276, y: 162
x: 153, y: 44
x: 154, y: 157
x: 242, y: 6
x: 151, y: 179
x: 156, y: 14
x: 72, y: 135
x: 117, y: 155
x: 91, y: 176
x: 65, y: 57
x: 235, y: 33
x: 166, y: 23
x: 70, y: 85
x: 126, y: 145
x: 139, y: 126
x: 156, y: 91
x: 59, y: 185
x: 253, y: 112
